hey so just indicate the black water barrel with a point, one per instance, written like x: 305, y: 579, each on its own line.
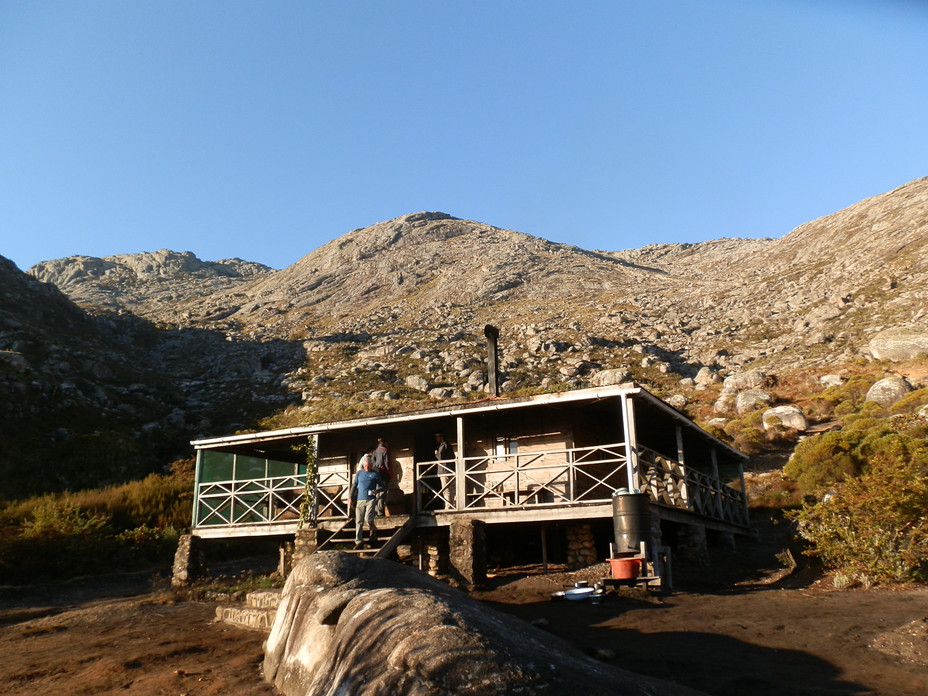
x: 631, y: 519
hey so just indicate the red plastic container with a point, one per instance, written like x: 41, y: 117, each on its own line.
x: 625, y: 568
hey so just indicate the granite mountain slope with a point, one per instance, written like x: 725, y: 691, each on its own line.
x: 395, y: 311
x: 762, y: 296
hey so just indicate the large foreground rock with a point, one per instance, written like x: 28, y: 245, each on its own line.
x: 352, y: 626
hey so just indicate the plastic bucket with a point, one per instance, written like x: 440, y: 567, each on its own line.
x: 625, y: 568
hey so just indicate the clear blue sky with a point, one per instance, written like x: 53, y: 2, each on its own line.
x: 264, y: 129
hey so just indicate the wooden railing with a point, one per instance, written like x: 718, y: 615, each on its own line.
x: 670, y: 483
x: 252, y: 501
x: 549, y: 478
x: 536, y: 479
x: 274, y: 500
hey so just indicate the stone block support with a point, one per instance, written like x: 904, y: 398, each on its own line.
x: 433, y: 551
x: 581, y: 548
x: 304, y: 544
x: 189, y: 561
x: 285, y: 560
x: 468, y: 553
x: 726, y: 541
x: 692, y: 544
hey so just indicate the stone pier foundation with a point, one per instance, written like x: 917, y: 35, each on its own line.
x: 189, y: 561
x: 692, y: 544
x: 285, y: 560
x: 433, y: 551
x: 581, y: 549
x: 305, y: 543
x: 468, y: 553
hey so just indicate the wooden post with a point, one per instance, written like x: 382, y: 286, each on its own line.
x: 631, y: 442
x: 744, y: 491
x: 544, y: 549
x: 314, y: 510
x: 417, y: 489
x: 459, y: 487
x: 717, y: 485
x: 684, y: 492
x: 198, y: 472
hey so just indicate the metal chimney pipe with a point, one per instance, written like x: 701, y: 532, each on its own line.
x: 492, y: 333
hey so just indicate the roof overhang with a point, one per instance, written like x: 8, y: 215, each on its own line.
x: 481, y: 407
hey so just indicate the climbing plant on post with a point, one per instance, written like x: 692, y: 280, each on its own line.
x: 308, y: 503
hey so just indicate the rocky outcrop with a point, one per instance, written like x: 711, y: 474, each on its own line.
x: 610, y: 377
x: 888, y: 390
x: 347, y: 625
x: 751, y: 379
x: 164, y: 347
x: 751, y: 400
x: 788, y: 417
x: 162, y: 286
x: 898, y: 344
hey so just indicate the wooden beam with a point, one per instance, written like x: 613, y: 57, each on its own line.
x: 744, y: 491
x: 681, y: 458
x: 631, y: 441
x: 459, y: 486
x: 197, y: 477
x: 544, y: 549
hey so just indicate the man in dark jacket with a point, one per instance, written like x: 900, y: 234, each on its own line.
x: 382, y: 465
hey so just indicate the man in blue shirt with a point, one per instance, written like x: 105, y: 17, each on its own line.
x: 367, y: 484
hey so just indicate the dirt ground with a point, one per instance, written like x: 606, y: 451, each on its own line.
x: 745, y: 625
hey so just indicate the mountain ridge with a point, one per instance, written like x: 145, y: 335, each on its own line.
x: 391, y: 316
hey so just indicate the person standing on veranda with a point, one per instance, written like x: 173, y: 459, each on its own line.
x: 382, y: 464
x: 367, y: 484
x: 445, y: 457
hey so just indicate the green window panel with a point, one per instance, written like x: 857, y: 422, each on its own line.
x: 216, y: 466
x: 247, y: 468
x: 275, y: 468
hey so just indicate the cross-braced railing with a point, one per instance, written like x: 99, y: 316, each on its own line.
x: 529, y: 479
x: 670, y: 483
x: 274, y: 500
x: 520, y: 480
x: 250, y: 501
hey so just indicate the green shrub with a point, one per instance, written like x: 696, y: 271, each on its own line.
x: 844, y: 408
x: 911, y: 402
x: 872, y: 522
x: 118, y: 527
x: 59, y: 540
x: 751, y: 440
x: 820, y: 409
x: 874, y: 525
x: 50, y: 520
x: 822, y: 460
x: 851, y: 392
x: 747, y: 434
x: 148, y: 544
